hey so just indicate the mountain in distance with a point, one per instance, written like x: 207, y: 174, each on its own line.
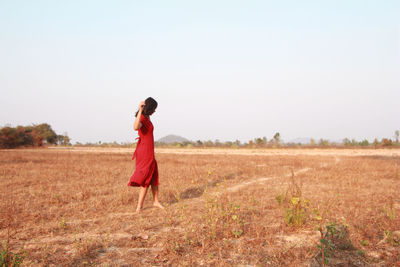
x: 170, y: 139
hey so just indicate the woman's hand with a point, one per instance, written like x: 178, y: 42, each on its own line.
x: 141, y: 105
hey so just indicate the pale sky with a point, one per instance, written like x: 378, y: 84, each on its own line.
x: 222, y: 70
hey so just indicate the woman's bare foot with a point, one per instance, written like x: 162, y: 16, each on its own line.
x: 158, y: 205
x: 138, y: 210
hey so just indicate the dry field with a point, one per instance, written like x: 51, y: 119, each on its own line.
x: 71, y: 207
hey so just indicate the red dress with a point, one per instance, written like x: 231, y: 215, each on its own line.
x: 146, y: 172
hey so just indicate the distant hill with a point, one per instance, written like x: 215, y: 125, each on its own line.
x: 170, y: 139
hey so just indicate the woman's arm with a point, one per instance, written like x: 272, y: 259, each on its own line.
x: 137, y: 124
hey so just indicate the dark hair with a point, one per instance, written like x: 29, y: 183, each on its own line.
x: 149, y: 106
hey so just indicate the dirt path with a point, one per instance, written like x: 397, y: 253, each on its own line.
x: 237, y: 187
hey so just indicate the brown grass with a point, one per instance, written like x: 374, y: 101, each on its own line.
x: 73, y: 208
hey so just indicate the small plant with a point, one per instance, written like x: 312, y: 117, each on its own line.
x: 390, y: 238
x: 7, y: 258
x: 296, y: 213
x: 223, y: 220
x: 295, y: 207
x: 390, y: 211
x: 331, y: 229
x: 63, y: 223
x: 237, y: 233
x: 360, y: 252
x: 326, y: 245
x: 333, y: 237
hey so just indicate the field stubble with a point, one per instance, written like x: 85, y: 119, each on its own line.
x: 63, y: 207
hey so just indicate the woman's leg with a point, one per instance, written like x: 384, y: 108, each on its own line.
x: 156, y: 203
x: 142, y: 195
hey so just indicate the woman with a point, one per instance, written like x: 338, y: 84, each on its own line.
x: 146, y: 172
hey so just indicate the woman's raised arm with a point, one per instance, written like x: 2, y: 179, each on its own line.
x: 137, y: 124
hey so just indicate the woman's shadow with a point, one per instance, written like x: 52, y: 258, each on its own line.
x: 194, y: 192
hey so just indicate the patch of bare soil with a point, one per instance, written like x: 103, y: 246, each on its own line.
x: 394, y: 152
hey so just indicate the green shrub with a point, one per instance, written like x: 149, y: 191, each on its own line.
x: 294, y: 206
x: 8, y: 258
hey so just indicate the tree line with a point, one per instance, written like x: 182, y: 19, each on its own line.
x: 276, y: 141
x: 35, y: 135
x: 263, y: 142
x: 42, y: 134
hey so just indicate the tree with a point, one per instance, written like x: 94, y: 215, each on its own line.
x: 386, y: 142
x: 45, y: 132
x: 260, y: 141
x: 35, y: 135
x: 251, y: 143
x: 277, y: 138
x: 397, y: 134
x: 67, y: 140
x: 208, y: 143
x: 63, y: 140
x: 228, y: 144
x: 376, y: 142
x: 8, y: 137
x: 187, y: 144
x: 23, y: 137
x: 346, y: 142
x: 323, y: 142
x: 312, y: 142
x: 364, y: 143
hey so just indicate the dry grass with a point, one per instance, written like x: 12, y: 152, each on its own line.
x: 73, y: 208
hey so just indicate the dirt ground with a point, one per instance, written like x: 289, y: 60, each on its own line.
x: 224, y: 207
x: 244, y: 151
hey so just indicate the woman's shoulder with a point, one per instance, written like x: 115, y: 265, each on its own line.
x: 143, y: 118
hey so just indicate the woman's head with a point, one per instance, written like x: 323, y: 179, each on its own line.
x: 150, y: 106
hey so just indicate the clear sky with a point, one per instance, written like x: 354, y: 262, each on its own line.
x: 222, y: 70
